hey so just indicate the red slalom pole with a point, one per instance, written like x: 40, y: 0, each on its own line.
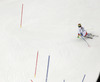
x: 21, y: 15
x: 36, y: 64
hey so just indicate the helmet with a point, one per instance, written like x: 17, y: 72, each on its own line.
x: 79, y: 25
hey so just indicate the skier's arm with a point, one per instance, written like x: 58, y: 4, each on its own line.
x: 79, y: 33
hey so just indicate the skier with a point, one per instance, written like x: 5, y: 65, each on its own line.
x: 82, y: 32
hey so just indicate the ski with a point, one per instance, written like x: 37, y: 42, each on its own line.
x: 95, y: 35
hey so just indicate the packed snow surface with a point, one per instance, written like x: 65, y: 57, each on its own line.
x: 50, y: 28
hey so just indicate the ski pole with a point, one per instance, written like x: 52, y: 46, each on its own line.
x: 85, y: 41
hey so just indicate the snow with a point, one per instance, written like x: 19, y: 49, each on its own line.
x: 50, y: 27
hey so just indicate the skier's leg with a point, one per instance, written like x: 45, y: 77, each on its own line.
x: 92, y: 35
x: 89, y: 35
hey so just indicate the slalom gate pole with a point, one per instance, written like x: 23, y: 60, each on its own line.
x: 85, y: 41
x: 21, y: 16
x: 36, y: 64
x: 47, y: 68
x: 31, y: 80
x: 63, y: 80
x: 83, y: 78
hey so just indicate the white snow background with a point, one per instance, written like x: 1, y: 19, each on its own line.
x: 50, y: 27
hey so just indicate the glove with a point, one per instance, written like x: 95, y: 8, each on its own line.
x: 78, y: 36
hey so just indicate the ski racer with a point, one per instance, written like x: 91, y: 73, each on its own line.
x: 82, y: 32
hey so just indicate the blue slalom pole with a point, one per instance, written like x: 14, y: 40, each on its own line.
x: 83, y: 78
x: 47, y: 68
x: 85, y: 41
x: 63, y: 80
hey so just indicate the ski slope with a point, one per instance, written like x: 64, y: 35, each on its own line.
x: 50, y: 27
